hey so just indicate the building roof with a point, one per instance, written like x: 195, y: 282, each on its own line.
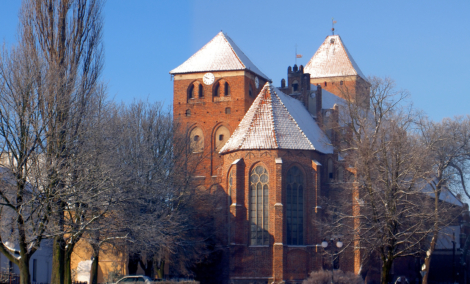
x: 277, y: 121
x: 332, y: 59
x: 219, y: 54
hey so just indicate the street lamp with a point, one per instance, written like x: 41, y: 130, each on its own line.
x: 339, y: 244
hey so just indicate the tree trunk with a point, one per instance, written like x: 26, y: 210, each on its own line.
x: 386, y: 268
x: 160, y: 265
x: 427, y: 260
x: 23, y: 265
x: 94, y: 266
x: 57, y: 275
x: 133, y: 264
x: 67, y: 263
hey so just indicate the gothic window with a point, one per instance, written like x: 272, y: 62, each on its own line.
x: 259, y: 197
x: 191, y: 91
x: 216, y: 89
x: 196, y: 139
x: 295, y: 207
x: 227, y: 89
x: 201, y: 93
x: 230, y: 187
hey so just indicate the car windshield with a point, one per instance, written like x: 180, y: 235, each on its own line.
x: 140, y: 279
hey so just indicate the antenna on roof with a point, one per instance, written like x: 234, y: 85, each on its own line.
x: 333, y: 22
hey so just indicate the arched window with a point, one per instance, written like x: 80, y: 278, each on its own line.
x: 259, y: 197
x: 196, y: 140
x: 227, y: 89
x: 222, y: 134
x: 330, y: 170
x: 201, y: 93
x: 216, y: 89
x: 295, y: 86
x: 188, y: 112
x: 191, y: 92
x: 295, y: 207
x: 230, y: 187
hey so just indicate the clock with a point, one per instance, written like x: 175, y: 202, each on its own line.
x: 208, y: 78
x: 256, y: 82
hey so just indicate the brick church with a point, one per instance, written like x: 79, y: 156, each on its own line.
x: 269, y: 151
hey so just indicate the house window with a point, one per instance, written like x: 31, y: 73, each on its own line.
x: 201, y: 93
x: 341, y: 82
x: 188, y: 112
x: 196, y: 138
x: 250, y: 91
x: 221, y: 137
x: 228, y: 110
x: 259, y: 197
x: 325, y: 84
x: 227, y: 89
x: 295, y: 207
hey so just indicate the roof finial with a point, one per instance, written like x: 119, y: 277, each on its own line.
x: 333, y: 22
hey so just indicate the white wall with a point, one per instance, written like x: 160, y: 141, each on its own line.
x: 43, y: 257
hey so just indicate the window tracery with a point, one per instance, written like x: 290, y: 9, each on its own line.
x: 259, y: 197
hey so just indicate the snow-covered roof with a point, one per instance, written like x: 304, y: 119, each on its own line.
x: 219, y: 54
x: 332, y: 59
x: 277, y: 121
x: 446, y: 195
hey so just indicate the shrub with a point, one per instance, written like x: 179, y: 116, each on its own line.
x: 338, y: 276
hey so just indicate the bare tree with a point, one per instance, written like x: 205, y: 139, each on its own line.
x: 66, y: 34
x: 165, y: 214
x: 448, y: 144
x: 380, y: 147
x: 25, y: 210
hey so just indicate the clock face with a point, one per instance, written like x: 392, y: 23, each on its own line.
x: 208, y: 78
x: 257, y: 82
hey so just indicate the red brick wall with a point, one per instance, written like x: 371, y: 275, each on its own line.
x: 208, y: 112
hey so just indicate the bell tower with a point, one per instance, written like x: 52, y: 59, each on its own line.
x: 213, y: 90
x: 333, y: 68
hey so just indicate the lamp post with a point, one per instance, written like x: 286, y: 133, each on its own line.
x: 339, y: 244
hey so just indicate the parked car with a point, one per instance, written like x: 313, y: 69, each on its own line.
x: 141, y: 279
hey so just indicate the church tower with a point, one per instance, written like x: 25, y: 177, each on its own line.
x: 213, y: 90
x: 333, y: 68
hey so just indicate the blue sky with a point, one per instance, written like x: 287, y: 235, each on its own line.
x: 423, y: 45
